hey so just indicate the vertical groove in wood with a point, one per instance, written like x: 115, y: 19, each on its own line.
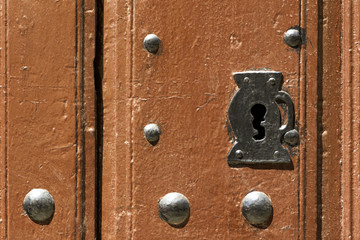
x: 86, y: 141
x: 76, y: 107
x: 319, y: 119
x: 351, y: 128
x: 82, y: 116
x: 98, y: 78
x: 85, y: 123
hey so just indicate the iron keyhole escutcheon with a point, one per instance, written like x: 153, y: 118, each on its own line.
x: 258, y: 112
x: 255, y: 119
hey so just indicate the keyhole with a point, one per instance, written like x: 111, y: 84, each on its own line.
x: 258, y: 111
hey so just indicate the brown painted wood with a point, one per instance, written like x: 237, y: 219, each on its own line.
x: 76, y: 136
x: 350, y: 119
x: 116, y: 180
x: 186, y: 90
x: 46, y: 77
x: 330, y: 121
x: 87, y: 118
x: 309, y: 168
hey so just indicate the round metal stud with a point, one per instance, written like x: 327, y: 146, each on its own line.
x: 292, y: 137
x: 39, y: 205
x: 257, y: 209
x: 271, y: 81
x: 239, y: 154
x: 152, y: 43
x: 174, y: 208
x: 292, y: 37
x: 152, y: 133
x: 276, y: 154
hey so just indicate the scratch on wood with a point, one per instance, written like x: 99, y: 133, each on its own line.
x: 62, y: 147
x: 207, y: 102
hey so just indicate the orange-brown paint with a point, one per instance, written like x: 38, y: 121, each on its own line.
x: 48, y: 117
x: 46, y: 78
x: 186, y: 90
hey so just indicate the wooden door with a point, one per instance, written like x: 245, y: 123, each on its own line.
x: 186, y: 89
x: 78, y: 88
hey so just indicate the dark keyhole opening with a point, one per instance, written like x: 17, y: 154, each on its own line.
x: 258, y: 111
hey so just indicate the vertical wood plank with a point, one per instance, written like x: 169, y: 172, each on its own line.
x: 331, y: 119
x: 117, y: 136
x: 351, y: 127
x: 3, y: 121
x: 140, y: 88
x: 310, y: 168
x: 186, y: 89
x: 45, y: 82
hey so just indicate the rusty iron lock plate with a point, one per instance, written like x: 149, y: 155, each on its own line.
x: 255, y: 119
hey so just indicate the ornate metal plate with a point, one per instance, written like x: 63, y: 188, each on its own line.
x: 256, y: 120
